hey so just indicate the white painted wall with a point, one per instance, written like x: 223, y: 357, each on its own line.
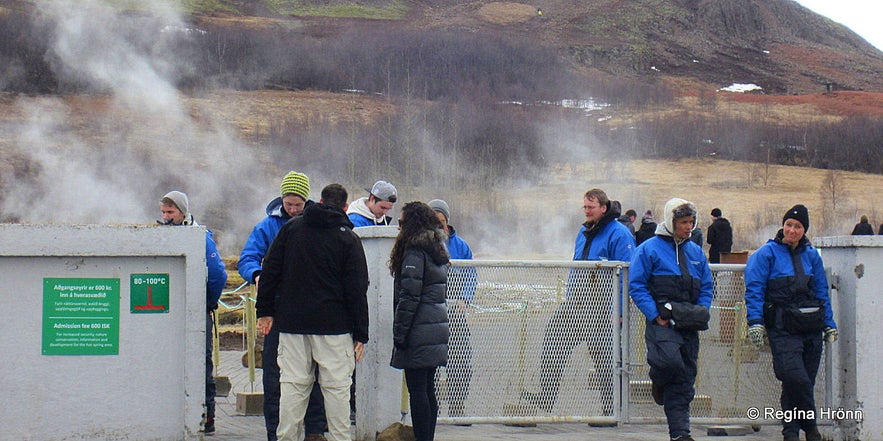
x: 378, y: 386
x: 154, y: 388
x: 856, y: 266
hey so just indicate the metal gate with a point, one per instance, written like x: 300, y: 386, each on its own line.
x: 543, y: 341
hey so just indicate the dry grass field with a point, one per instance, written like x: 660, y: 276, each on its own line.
x: 536, y: 218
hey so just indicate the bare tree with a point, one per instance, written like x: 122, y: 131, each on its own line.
x: 833, y: 188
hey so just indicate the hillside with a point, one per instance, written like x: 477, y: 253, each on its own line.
x: 776, y: 44
x: 507, y: 113
x: 698, y: 44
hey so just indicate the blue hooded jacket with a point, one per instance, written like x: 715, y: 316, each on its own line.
x: 217, y: 273
x: 461, y: 280
x: 261, y: 237
x: 772, y: 262
x: 658, y: 257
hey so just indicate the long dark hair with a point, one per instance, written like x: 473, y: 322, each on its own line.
x: 419, y: 228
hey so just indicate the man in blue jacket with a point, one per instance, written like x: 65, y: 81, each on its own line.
x: 295, y: 190
x: 175, y: 209
x: 586, y: 313
x: 670, y: 283
x: 314, y: 291
x: 461, y: 290
x: 372, y: 210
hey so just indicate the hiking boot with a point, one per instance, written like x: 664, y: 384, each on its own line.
x: 315, y: 437
x: 657, y: 393
x: 209, y: 427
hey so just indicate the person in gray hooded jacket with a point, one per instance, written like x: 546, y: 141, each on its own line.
x: 418, y: 264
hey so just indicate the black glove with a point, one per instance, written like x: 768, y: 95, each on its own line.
x: 664, y: 310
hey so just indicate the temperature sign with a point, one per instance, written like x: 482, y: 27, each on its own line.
x: 149, y: 293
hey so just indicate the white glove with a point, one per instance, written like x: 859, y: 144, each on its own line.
x: 756, y: 334
x: 831, y: 334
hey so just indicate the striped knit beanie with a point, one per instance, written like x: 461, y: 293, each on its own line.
x: 297, y: 184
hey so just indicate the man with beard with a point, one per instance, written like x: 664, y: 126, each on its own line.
x: 586, y: 313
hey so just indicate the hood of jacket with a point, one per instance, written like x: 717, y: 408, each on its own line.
x: 674, y: 208
x: 434, y: 243
x: 274, y: 208
x: 360, y: 206
x: 612, y: 214
x: 325, y: 216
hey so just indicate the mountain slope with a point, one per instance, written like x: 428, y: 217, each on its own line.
x: 776, y: 44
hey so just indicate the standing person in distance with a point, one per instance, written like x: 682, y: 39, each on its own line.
x: 786, y: 297
x: 419, y: 266
x: 647, y: 229
x: 462, y: 282
x: 670, y: 282
x: 863, y: 227
x: 175, y: 209
x: 720, y: 236
x: 294, y: 198
x: 314, y: 287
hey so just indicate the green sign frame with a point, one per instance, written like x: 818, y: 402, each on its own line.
x: 81, y: 316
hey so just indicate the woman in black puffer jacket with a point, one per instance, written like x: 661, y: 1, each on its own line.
x: 418, y: 263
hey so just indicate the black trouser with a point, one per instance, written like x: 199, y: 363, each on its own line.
x: 210, y: 387
x: 575, y: 322
x: 672, y: 355
x: 459, y: 366
x: 314, y: 420
x: 796, y: 359
x: 424, y: 405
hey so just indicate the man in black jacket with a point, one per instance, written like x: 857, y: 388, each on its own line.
x: 720, y: 236
x: 314, y: 288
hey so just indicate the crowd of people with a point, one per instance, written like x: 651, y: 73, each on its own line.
x: 311, y: 275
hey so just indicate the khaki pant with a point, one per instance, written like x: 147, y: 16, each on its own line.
x: 299, y: 355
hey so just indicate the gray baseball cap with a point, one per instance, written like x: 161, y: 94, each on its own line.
x: 384, y: 191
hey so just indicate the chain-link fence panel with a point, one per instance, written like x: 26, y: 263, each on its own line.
x: 734, y: 376
x: 531, y: 342
x: 539, y: 342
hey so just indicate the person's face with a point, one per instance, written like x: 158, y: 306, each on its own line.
x: 171, y: 213
x: 593, y: 210
x: 293, y: 205
x: 683, y: 227
x: 793, y: 231
x: 442, y: 219
x: 378, y: 208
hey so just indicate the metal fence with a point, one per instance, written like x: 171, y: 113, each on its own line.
x: 542, y: 341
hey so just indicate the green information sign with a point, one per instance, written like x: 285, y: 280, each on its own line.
x: 149, y: 293
x: 81, y: 316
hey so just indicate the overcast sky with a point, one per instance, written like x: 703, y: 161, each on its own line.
x: 862, y: 16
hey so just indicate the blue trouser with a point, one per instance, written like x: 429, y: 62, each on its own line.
x: 209, y: 370
x: 314, y: 420
x: 672, y: 355
x: 796, y: 359
x: 424, y: 404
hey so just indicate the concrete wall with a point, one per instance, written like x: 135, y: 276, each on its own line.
x: 153, y: 387
x: 378, y: 386
x: 856, y: 266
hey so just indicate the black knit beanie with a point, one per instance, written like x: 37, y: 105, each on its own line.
x: 798, y: 213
